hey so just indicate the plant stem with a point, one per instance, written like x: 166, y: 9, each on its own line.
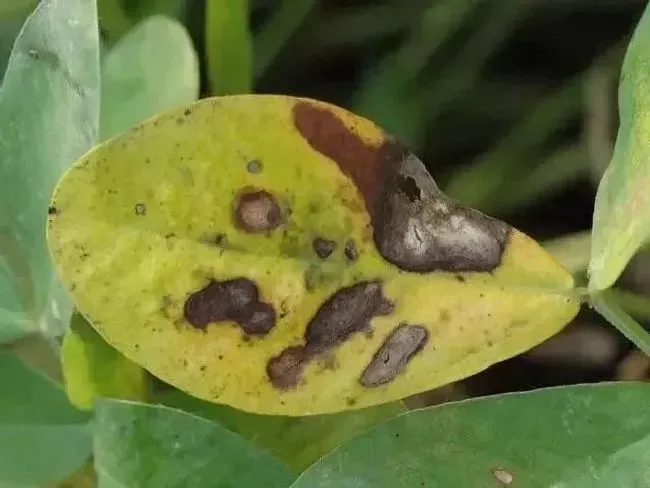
x: 605, y: 304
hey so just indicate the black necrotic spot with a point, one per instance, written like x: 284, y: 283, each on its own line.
x: 140, y: 209
x: 234, y: 300
x: 323, y: 247
x: 350, y: 251
x: 392, y: 357
x: 409, y: 187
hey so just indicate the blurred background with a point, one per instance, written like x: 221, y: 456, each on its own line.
x: 511, y: 104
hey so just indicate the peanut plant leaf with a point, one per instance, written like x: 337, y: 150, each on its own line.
x: 42, y: 437
x: 138, y: 79
x: 229, y: 47
x: 159, y: 447
x: 283, y: 256
x: 93, y: 369
x: 591, y: 436
x: 298, y: 441
x: 49, y: 104
x: 621, y: 222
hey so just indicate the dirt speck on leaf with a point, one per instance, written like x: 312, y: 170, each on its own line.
x: 502, y: 476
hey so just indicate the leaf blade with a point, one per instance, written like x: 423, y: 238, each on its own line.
x: 49, y: 106
x: 622, y: 201
x: 163, y: 226
x: 153, y: 446
x: 35, y: 417
x: 137, y: 79
x: 596, y: 436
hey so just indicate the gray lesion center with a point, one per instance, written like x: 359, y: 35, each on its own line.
x: 420, y: 229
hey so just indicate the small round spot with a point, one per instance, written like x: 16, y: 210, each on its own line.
x: 323, y: 247
x: 257, y: 211
x: 254, y: 166
x: 52, y: 211
x: 140, y: 209
x: 187, y: 112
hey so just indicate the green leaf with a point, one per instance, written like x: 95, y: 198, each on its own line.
x: 621, y: 222
x: 229, y: 47
x: 49, y: 104
x: 154, y: 446
x: 94, y: 369
x: 579, y: 437
x: 138, y: 79
x: 42, y: 437
x: 298, y: 441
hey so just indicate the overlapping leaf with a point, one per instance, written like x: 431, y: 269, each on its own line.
x: 152, y: 69
x: 42, y: 437
x: 93, y: 369
x: 159, y: 447
x: 49, y: 104
x: 621, y: 222
x: 595, y: 436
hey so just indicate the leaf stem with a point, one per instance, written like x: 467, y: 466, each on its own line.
x: 606, y: 304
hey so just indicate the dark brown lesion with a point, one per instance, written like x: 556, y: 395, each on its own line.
x: 415, y: 226
x: 285, y: 369
x: 345, y: 313
x: 237, y: 300
x: 351, y: 252
x: 323, y: 247
x: 256, y: 211
x: 404, y: 342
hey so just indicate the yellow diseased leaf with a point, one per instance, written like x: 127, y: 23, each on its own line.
x: 94, y: 369
x: 284, y: 256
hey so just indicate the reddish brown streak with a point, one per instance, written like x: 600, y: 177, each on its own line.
x: 368, y: 166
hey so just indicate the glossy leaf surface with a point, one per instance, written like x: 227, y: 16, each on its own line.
x: 159, y: 447
x: 49, y: 110
x: 595, y: 436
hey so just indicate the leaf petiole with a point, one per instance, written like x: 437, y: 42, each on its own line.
x: 605, y: 303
